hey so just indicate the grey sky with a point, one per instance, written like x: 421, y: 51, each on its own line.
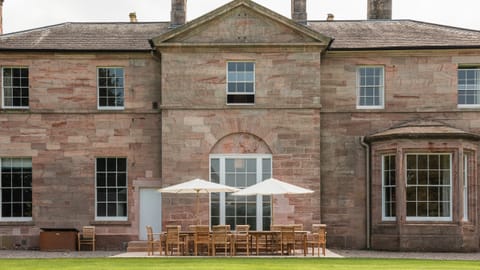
x: 26, y: 14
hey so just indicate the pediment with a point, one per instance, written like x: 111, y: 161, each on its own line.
x: 241, y: 22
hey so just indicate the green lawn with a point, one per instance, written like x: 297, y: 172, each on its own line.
x: 233, y: 264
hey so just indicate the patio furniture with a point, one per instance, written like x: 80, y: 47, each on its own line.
x: 221, y: 238
x: 174, y: 241
x: 299, y: 238
x: 287, y: 239
x: 151, y: 241
x: 201, y: 237
x: 87, y: 237
x: 242, y: 239
x: 318, y: 238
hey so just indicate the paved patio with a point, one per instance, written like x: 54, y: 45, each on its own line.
x: 330, y: 254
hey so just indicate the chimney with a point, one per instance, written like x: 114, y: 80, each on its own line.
x: 133, y: 17
x: 330, y: 17
x: 299, y: 11
x: 178, y: 15
x: 1, y: 17
x: 379, y: 10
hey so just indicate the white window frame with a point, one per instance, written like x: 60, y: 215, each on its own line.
x: 450, y: 217
x: 14, y: 219
x: 111, y: 218
x: 466, y: 106
x: 241, y: 93
x: 382, y: 88
x: 259, y: 158
x: 109, y: 108
x: 384, y: 217
x: 3, y: 90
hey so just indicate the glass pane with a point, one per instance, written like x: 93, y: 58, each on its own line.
x: 433, y: 162
x: 122, y: 194
x: 411, y: 209
x: 122, y: 179
x: 101, y: 209
x: 122, y: 210
x: 7, y: 210
x: 422, y: 177
x: 111, y: 179
x: 412, y: 194
x: 422, y: 210
x: 101, y: 194
x: 101, y: 165
x: 122, y: 164
x: 422, y: 162
x: 411, y: 177
x: 411, y: 162
x: 112, y: 194
x: 101, y: 179
x: 112, y: 209
x: 111, y: 164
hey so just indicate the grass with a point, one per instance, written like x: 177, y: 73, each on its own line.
x: 233, y: 264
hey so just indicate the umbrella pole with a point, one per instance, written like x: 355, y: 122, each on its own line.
x: 198, y: 202
x: 271, y: 211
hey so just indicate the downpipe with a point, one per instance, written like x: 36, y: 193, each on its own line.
x: 367, y: 188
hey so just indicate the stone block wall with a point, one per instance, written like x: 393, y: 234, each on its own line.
x: 63, y: 133
x: 190, y: 136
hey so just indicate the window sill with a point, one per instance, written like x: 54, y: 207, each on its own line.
x: 17, y: 223
x: 110, y: 223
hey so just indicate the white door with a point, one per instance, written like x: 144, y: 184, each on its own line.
x: 150, y: 211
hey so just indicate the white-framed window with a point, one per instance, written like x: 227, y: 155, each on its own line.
x: 429, y: 187
x: 466, y: 175
x: 240, y: 82
x: 370, y: 87
x: 111, y: 91
x: 388, y: 188
x: 468, y: 87
x: 240, y: 171
x: 111, y: 186
x: 16, y: 189
x: 15, y: 87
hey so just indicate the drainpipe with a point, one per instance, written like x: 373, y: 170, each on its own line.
x: 367, y: 186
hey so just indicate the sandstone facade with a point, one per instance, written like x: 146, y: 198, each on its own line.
x: 305, y: 119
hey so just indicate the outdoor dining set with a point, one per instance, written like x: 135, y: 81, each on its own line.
x: 206, y: 241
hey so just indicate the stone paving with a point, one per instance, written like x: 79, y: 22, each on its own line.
x: 330, y: 254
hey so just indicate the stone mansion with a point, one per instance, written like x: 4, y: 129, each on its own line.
x: 380, y: 117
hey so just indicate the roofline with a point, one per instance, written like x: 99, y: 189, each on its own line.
x: 406, y: 48
x: 68, y: 23
x: 468, y: 136
x: 73, y: 50
x: 400, y: 20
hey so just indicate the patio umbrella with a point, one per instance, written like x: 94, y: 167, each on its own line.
x: 272, y: 187
x: 197, y: 186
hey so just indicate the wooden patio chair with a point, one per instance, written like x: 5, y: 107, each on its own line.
x: 287, y: 239
x: 242, y: 239
x: 275, y: 240
x: 221, y: 238
x: 152, y: 242
x: 299, y: 238
x: 87, y: 237
x: 201, y: 237
x: 318, y: 238
x: 174, y: 241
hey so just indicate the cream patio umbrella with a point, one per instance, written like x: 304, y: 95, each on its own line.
x: 272, y: 187
x: 197, y: 186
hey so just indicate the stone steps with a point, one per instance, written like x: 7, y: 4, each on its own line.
x: 137, y: 246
